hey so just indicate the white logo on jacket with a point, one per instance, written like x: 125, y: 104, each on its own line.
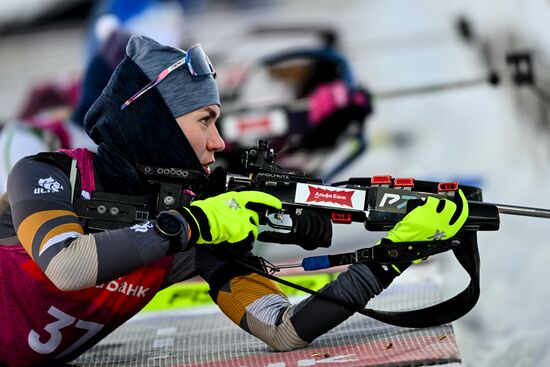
x: 143, y: 227
x: 47, y: 186
x: 128, y: 289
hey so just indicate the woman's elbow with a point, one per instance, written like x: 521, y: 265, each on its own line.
x: 67, y: 277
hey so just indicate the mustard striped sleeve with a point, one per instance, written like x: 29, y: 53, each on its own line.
x: 41, y: 229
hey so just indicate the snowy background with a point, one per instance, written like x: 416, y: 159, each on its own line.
x: 497, y: 138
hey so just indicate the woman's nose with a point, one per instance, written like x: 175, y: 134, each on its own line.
x: 215, y: 141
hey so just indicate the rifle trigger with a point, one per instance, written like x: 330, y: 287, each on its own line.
x: 272, y: 224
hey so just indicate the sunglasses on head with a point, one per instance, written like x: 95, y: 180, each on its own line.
x: 198, y: 64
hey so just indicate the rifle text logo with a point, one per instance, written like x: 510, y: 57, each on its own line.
x: 327, y: 196
x: 322, y: 195
x: 390, y: 199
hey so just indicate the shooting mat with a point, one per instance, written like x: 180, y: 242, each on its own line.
x: 204, y: 337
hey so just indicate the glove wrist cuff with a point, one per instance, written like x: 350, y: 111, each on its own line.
x: 187, y: 214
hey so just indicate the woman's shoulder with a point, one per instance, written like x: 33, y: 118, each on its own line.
x: 41, y: 176
x: 33, y: 163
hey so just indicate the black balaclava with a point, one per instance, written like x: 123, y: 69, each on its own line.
x: 146, y: 131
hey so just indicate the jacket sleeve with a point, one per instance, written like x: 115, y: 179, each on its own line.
x: 52, y: 234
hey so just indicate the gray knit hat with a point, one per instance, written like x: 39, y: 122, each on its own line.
x: 182, y: 92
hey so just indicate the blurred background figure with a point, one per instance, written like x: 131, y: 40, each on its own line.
x: 53, y: 113
x: 42, y: 125
x: 305, y: 100
x: 319, y: 106
x: 52, y: 116
x: 163, y: 20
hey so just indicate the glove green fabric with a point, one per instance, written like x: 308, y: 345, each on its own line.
x: 230, y: 217
x: 434, y: 220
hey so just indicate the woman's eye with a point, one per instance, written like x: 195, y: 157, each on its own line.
x: 204, y: 120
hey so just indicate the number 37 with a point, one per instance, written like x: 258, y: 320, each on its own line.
x: 53, y: 328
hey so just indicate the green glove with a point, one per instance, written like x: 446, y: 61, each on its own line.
x: 230, y: 217
x: 434, y: 220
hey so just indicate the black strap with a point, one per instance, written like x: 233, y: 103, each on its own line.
x: 445, y: 312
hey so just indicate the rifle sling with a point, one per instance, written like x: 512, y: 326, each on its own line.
x: 445, y: 312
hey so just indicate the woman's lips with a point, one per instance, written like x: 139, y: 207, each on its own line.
x: 206, y: 169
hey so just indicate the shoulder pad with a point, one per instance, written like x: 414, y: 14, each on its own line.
x: 58, y: 159
x: 67, y: 164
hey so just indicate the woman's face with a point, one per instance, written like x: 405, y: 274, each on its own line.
x: 200, y: 130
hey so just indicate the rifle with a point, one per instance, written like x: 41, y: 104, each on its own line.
x: 378, y: 202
